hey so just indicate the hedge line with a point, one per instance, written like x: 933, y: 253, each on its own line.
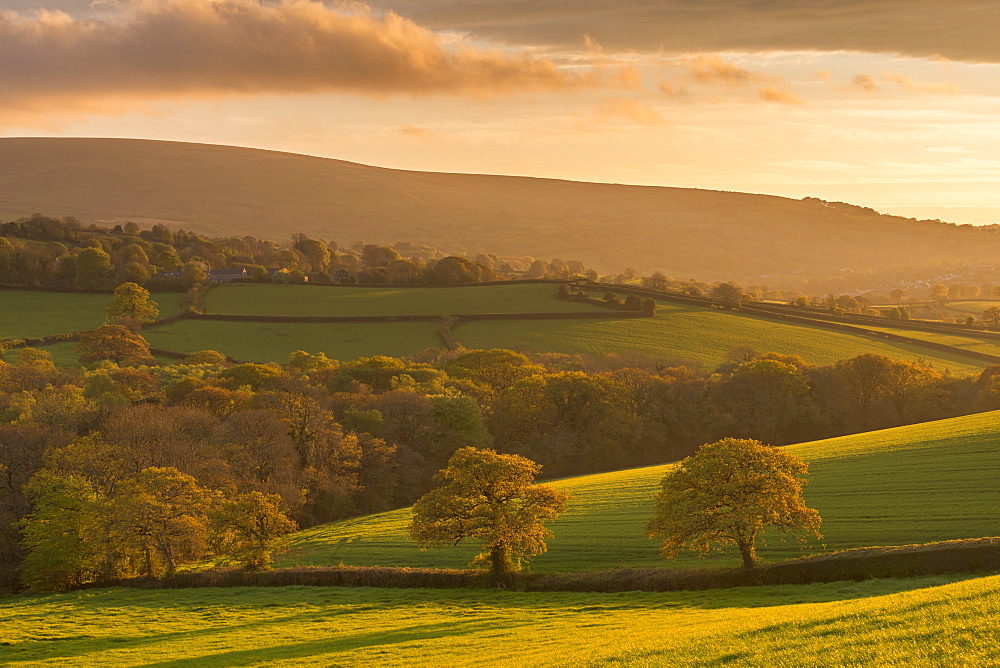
x: 946, y: 557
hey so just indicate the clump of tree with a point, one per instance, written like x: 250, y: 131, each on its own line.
x: 492, y: 498
x: 728, y: 493
x: 334, y: 439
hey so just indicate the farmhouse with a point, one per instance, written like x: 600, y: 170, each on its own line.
x: 227, y: 275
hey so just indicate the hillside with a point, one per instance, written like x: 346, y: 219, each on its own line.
x: 222, y: 191
x: 913, y: 484
x: 918, y: 621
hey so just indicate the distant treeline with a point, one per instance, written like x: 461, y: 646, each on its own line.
x: 336, y: 439
x: 65, y: 254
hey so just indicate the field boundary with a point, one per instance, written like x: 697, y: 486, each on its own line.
x: 464, y: 317
x: 825, y: 321
x: 972, y: 555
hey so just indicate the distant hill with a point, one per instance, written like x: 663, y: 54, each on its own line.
x: 224, y: 191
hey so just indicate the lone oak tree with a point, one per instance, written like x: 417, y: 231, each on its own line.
x: 132, y: 303
x: 726, y: 493
x: 490, y: 496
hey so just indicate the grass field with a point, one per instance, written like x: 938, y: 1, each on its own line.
x: 959, y: 340
x: 914, y: 484
x: 266, y: 342
x: 921, y: 621
x: 971, y: 307
x: 26, y: 313
x: 301, y: 300
x: 698, y: 334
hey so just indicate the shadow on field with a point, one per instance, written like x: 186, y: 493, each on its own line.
x: 330, y: 645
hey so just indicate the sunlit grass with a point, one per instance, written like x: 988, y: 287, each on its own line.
x: 272, y: 342
x: 959, y: 340
x: 702, y: 335
x: 921, y: 621
x: 300, y: 300
x: 29, y: 313
x: 915, y: 484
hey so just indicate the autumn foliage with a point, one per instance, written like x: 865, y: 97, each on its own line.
x: 727, y: 494
x: 491, y: 497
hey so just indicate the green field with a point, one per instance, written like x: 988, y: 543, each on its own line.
x: 913, y: 484
x: 922, y: 621
x: 971, y: 307
x: 698, y: 334
x: 302, y: 300
x: 267, y: 342
x: 959, y: 340
x: 27, y: 313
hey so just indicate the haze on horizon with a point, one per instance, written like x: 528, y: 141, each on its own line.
x: 892, y: 104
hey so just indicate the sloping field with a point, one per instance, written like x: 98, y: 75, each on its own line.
x: 971, y: 307
x: 914, y: 484
x: 698, y: 334
x: 299, y: 300
x: 959, y: 340
x: 27, y: 313
x: 272, y: 342
x: 922, y: 621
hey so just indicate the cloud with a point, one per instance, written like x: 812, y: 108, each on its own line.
x: 909, y: 84
x: 711, y: 69
x: 958, y: 29
x: 823, y: 75
x: 415, y: 131
x: 182, y: 48
x: 865, y: 82
x: 770, y: 94
x: 633, y: 110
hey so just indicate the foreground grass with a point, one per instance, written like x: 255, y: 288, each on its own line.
x: 928, y: 621
x: 915, y: 484
x: 27, y: 313
x: 272, y: 342
x: 703, y: 335
x: 299, y: 300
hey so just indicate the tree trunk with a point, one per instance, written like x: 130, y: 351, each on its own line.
x: 749, y: 553
x: 500, y: 566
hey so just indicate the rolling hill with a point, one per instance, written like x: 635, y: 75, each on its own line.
x: 914, y: 484
x: 226, y: 191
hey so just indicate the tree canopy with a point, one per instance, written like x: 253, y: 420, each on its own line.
x: 491, y: 497
x: 726, y: 494
x: 133, y: 303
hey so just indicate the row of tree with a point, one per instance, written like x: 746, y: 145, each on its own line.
x: 63, y: 253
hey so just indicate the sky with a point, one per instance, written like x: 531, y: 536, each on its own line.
x: 892, y: 104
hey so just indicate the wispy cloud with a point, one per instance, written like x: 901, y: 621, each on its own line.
x: 778, y: 96
x: 865, y: 82
x: 200, y: 48
x: 906, y: 83
x: 637, y: 112
x: 957, y: 30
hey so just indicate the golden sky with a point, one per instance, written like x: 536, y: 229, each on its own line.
x: 893, y: 104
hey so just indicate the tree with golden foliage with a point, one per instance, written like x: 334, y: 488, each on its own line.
x: 492, y: 497
x: 132, y: 303
x: 248, y: 525
x: 113, y: 342
x: 726, y: 494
